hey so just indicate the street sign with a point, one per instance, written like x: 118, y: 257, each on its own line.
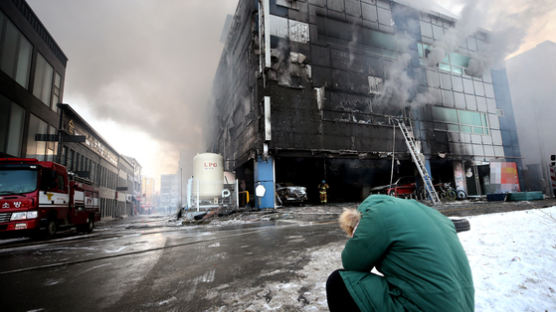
x: 65, y: 137
x: 73, y: 138
x: 121, y: 188
x: 46, y: 137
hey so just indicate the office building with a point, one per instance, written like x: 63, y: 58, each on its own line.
x: 312, y: 90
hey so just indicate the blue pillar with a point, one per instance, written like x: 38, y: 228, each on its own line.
x: 264, y: 175
x: 428, y: 166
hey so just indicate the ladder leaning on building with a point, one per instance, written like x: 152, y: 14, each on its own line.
x: 417, y: 157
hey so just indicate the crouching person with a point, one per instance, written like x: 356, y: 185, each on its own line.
x: 416, y: 249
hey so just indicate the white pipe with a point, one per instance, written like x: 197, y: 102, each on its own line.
x: 266, y: 8
x: 237, y: 194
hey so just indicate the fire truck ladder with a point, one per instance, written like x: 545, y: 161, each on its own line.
x: 418, y: 160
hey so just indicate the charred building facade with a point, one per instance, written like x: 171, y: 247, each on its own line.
x: 308, y: 90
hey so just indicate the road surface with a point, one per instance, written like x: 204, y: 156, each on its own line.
x: 154, y: 264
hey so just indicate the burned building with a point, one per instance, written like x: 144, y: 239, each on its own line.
x: 308, y: 90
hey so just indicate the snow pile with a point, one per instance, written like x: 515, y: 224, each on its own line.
x: 512, y: 256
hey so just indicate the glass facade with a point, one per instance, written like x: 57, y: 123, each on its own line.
x: 42, y: 88
x: 51, y: 146
x: 56, y: 91
x: 15, y: 52
x: 36, y: 149
x: 466, y: 109
x: 461, y: 120
x: 12, y: 118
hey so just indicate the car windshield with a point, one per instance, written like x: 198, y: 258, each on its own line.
x: 17, y: 181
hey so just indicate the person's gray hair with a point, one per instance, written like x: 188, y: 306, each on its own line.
x: 349, y: 219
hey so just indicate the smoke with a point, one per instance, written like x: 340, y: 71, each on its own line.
x: 353, y: 43
x: 397, y: 83
x: 507, y: 23
x: 145, y: 64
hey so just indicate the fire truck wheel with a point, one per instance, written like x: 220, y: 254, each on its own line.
x: 51, y: 228
x: 90, y: 224
x: 87, y: 227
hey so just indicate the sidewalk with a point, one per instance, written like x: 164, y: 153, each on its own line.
x: 323, y: 213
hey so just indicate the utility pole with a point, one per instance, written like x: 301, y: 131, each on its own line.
x: 181, y: 186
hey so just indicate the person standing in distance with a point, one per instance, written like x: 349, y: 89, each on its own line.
x: 414, y: 247
x: 323, y: 192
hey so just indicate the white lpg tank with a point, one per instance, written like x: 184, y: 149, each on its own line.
x: 208, y: 170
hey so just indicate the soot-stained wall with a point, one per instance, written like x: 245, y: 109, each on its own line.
x: 235, y: 131
x: 341, y: 72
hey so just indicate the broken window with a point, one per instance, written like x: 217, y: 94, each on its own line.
x: 423, y: 50
x: 454, y: 62
x: 375, y: 85
x: 285, y: 28
x: 298, y: 31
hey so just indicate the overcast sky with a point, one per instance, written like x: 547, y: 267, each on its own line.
x: 140, y: 71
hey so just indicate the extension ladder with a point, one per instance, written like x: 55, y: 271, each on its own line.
x: 418, y: 160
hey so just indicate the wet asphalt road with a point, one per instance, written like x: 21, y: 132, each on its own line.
x: 150, y: 264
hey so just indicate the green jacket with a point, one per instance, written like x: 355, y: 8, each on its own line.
x: 417, y: 249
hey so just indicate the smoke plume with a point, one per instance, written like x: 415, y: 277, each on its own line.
x: 506, y: 22
x: 146, y: 64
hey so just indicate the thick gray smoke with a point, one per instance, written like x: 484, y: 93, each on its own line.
x: 507, y: 24
x: 147, y: 64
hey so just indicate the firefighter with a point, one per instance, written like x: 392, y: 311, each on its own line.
x: 323, y: 188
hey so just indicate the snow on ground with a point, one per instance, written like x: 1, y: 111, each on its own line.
x: 512, y: 257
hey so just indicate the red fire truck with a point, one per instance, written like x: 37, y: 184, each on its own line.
x: 38, y: 198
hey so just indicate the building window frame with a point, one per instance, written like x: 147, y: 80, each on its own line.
x: 459, y: 121
x: 43, y: 81
x: 17, y: 55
